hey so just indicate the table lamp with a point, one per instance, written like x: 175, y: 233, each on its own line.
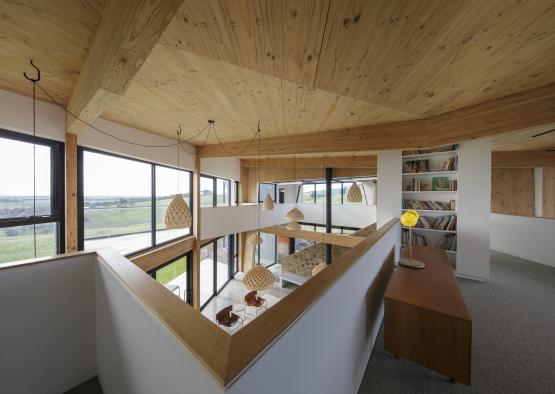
x: 409, y: 219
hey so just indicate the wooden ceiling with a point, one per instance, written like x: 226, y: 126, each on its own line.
x: 298, y: 66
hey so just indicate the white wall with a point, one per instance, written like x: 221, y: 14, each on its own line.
x: 135, y: 353
x: 219, y: 221
x: 16, y: 114
x: 325, y: 351
x: 473, y: 209
x: 351, y: 215
x: 223, y: 167
x: 47, y: 326
x: 389, y: 186
x: 530, y: 238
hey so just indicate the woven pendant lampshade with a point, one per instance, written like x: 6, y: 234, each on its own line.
x: 178, y: 214
x: 354, y: 194
x: 295, y: 214
x: 259, y: 278
x: 255, y: 239
x: 268, y: 204
x: 293, y: 225
x: 319, y: 268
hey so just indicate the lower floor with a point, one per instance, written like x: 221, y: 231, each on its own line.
x: 513, y: 345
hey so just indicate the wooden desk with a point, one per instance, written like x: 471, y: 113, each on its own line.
x: 426, y: 319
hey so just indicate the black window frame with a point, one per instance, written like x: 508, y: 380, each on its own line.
x: 230, y: 262
x: 215, y: 191
x: 189, y: 289
x: 345, y: 184
x: 81, y: 202
x: 274, y: 196
x: 57, y: 187
x: 275, y: 251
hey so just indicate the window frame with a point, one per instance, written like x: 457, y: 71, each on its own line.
x: 57, y: 187
x: 230, y: 254
x: 275, y: 251
x: 189, y: 289
x: 345, y: 184
x: 81, y: 198
x: 274, y: 197
x: 215, y: 191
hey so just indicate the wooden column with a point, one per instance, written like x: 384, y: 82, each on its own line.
x: 196, y: 234
x: 71, y: 192
x: 548, y: 198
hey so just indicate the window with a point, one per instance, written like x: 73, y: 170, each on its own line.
x: 236, y: 194
x: 215, y: 270
x: 176, y: 276
x: 206, y: 192
x: 336, y: 192
x: 214, y: 192
x: 264, y: 189
x: 267, y: 250
x: 20, y: 229
x: 224, y: 192
x: 320, y: 193
x: 308, y: 193
x: 123, y: 201
x: 167, y: 186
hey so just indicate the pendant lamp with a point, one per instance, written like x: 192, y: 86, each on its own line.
x: 258, y: 277
x: 319, y: 268
x: 293, y: 225
x: 178, y: 214
x: 268, y: 204
x: 354, y: 194
x: 295, y: 214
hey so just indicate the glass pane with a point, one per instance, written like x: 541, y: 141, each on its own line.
x: 222, y: 266
x: 174, y: 277
x: 206, y: 192
x: 267, y: 188
x: 320, y: 193
x: 336, y: 193
x: 268, y: 249
x: 346, y: 187
x: 166, y: 188
x: 307, y: 193
x: 117, y: 203
x: 16, y: 179
x: 206, y: 273
x: 222, y: 188
x: 17, y: 243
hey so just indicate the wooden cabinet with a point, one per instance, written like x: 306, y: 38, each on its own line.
x: 426, y: 319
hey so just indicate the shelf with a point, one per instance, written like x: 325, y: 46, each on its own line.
x: 430, y: 173
x: 430, y: 191
x: 428, y: 210
x: 432, y: 229
x: 444, y: 153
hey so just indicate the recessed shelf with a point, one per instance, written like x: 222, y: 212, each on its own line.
x: 432, y: 229
x: 431, y: 154
x: 430, y: 173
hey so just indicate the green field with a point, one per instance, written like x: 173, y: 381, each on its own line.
x: 172, y: 271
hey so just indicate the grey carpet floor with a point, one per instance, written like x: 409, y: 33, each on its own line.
x: 513, y: 349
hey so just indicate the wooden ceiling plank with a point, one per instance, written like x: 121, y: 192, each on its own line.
x: 126, y: 35
x: 314, y: 162
x: 518, y: 111
x: 523, y: 159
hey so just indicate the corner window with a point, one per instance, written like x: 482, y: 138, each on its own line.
x: 26, y: 222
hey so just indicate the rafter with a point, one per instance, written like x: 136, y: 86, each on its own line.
x: 126, y: 35
x: 523, y: 159
x: 518, y: 111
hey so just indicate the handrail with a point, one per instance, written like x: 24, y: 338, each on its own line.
x: 43, y: 260
x: 224, y: 356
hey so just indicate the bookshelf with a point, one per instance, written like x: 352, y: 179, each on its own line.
x: 429, y: 181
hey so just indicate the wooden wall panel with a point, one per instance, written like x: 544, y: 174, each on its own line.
x: 548, y: 200
x: 512, y: 191
x: 71, y: 192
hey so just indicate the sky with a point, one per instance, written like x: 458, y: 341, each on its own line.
x: 16, y: 168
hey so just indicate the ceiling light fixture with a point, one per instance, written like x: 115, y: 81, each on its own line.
x: 178, y: 214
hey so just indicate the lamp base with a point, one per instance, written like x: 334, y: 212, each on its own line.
x: 411, y: 263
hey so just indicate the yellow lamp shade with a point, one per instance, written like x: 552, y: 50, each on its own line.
x: 409, y: 218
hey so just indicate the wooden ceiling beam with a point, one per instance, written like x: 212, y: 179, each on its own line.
x: 370, y: 161
x: 523, y: 159
x: 125, y: 37
x: 518, y: 111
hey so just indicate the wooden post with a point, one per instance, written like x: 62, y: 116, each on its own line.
x: 71, y: 192
x: 196, y: 234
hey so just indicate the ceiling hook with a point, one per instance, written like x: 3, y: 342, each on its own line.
x: 38, y: 73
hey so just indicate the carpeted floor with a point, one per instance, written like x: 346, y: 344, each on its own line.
x: 513, y: 349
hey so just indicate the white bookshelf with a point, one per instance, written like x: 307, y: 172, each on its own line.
x: 434, y: 161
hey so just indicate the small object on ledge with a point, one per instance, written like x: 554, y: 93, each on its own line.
x: 410, y: 219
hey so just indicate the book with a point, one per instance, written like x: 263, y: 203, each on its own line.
x: 440, y: 183
x: 448, y: 148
